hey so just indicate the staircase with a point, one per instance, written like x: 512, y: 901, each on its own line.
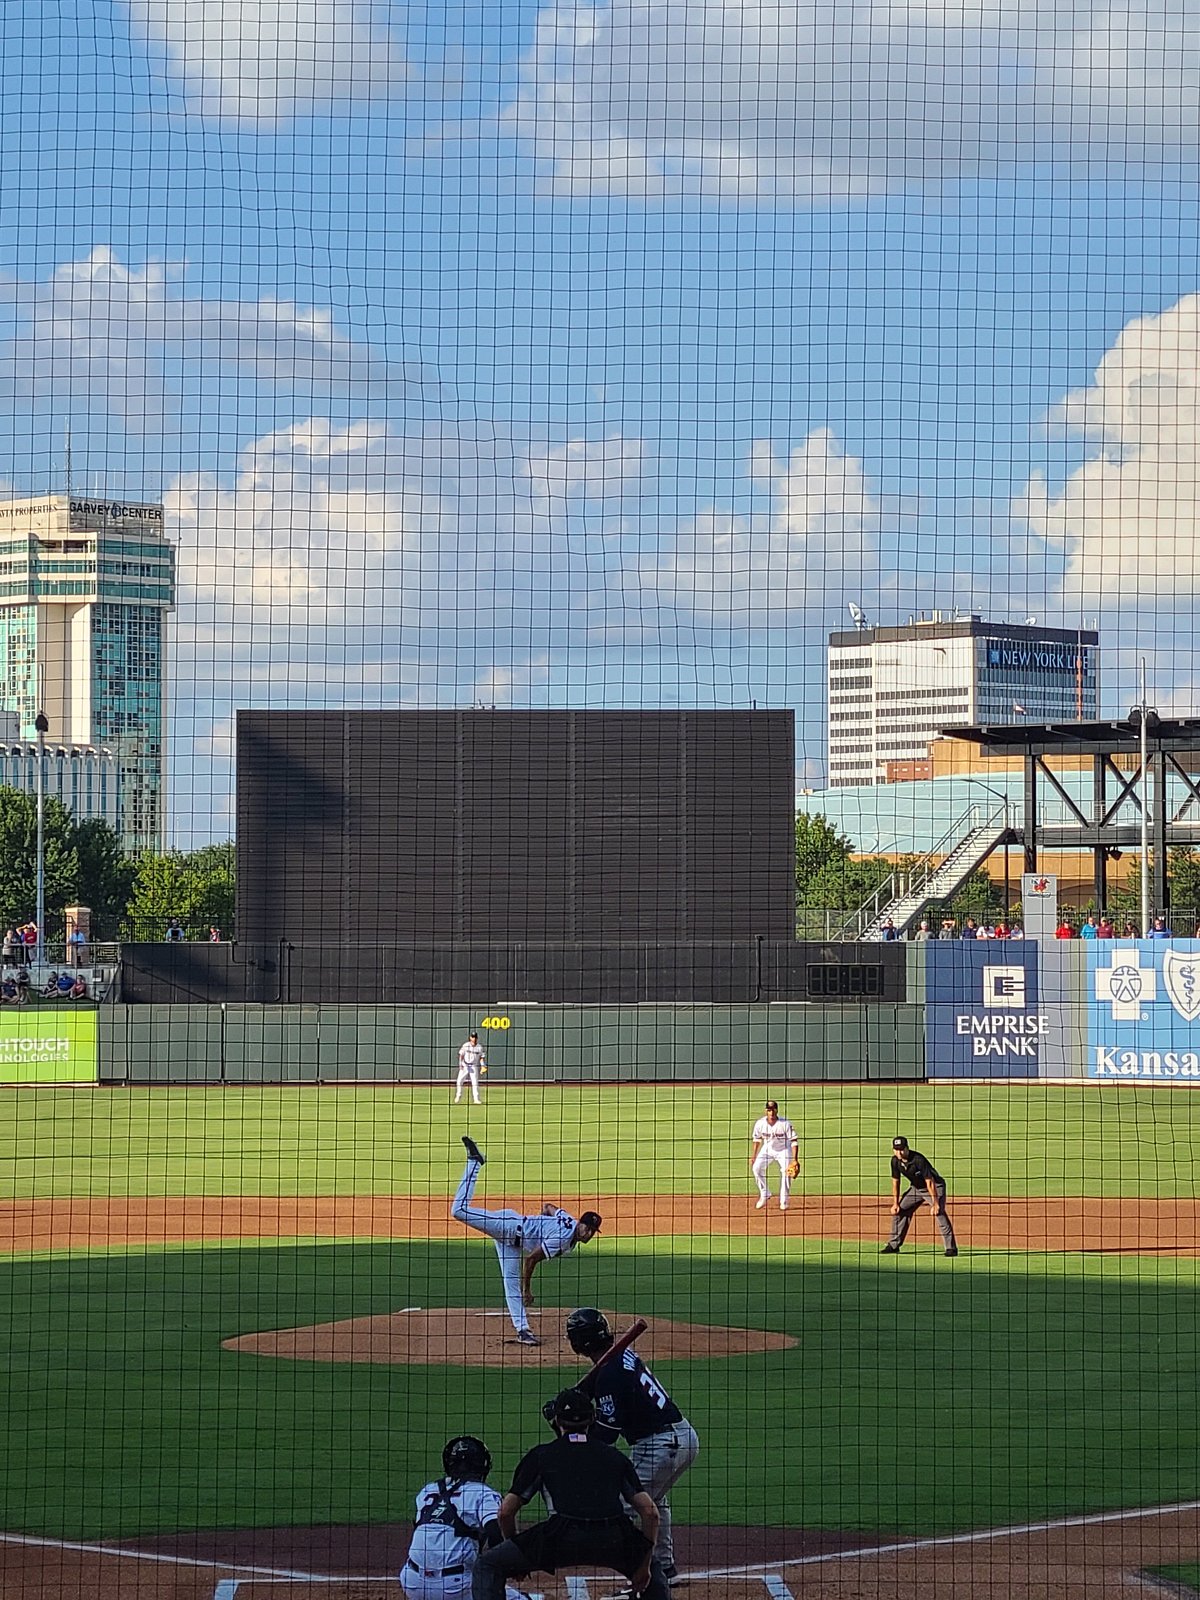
x: 937, y: 876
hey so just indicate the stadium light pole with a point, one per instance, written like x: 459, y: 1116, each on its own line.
x: 43, y: 727
x: 1145, y: 759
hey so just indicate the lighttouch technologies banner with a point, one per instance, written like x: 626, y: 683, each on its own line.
x: 48, y: 1046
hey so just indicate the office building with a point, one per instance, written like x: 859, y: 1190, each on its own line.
x: 85, y: 586
x: 891, y: 689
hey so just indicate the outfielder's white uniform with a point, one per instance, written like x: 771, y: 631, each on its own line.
x: 777, y: 1137
x: 470, y: 1059
x: 514, y: 1236
x: 437, y: 1550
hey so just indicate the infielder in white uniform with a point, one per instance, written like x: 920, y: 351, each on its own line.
x: 774, y: 1140
x: 470, y: 1060
x: 522, y: 1243
x: 456, y: 1517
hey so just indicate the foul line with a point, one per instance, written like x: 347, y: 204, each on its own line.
x: 755, y: 1570
x: 1091, y: 1520
x: 35, y: 1542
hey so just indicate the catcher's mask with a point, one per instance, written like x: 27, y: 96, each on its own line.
x: 466, y: 1457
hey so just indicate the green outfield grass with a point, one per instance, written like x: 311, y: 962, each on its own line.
x: 1189, y: 1575
x: 923, y: 1395
x: 1039, y: 1386
x: 1019, y: 1139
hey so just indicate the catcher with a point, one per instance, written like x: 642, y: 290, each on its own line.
x: 588, y: 1485
x: 774, y: 1140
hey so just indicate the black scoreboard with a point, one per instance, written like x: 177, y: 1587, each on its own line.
x: 506, y: 827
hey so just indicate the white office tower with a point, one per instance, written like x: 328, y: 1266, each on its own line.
x: 85, y: 587
x: 890, y: 690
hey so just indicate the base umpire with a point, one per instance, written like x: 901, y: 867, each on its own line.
x: 586, y: 1485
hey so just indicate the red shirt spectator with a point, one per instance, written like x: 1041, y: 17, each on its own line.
x: 1064, y: 931
x: 1106, y: 929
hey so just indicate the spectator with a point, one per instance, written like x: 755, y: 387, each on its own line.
x: 23, y: 987
x: 888, y: 933
x: 1089, y: 929
x: 923, y: 933
x: 1130, y: 930
x: 970, y: 930
x: 1106, y: 929
x: 1016, y: 931
x: 18, y: 954
x: 51, y: 988
x: 64, y: 984
x: 1159, y: 930
x: 30, y: 936
x: 174, y: 931
x: 1064, y: 930
x: 8, y: 991
x: 214, y: 935
x: 79, y: 989
x: 8, y: 947
x: 1001, y: 931
x: 947, y: 930
x: 986, y: 931
x: 77, y: 940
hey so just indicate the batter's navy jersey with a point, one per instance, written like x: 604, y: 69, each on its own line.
x: 630, y: 1400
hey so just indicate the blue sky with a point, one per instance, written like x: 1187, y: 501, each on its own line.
x: 552, y: 353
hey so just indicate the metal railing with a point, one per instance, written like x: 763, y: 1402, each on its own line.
x: 908, y: 883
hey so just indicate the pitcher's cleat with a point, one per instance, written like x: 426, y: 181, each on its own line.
x: 474, y: 1153
x: 527, y: 1336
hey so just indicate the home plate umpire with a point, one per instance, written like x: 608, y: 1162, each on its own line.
x: 584, y: 1482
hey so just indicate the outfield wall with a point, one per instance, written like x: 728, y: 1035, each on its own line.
x: 549, y: 1044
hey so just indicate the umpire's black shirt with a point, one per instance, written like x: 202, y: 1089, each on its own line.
x: 580, y: 1478
x: 916, y: 1169
x: 629, y: 1399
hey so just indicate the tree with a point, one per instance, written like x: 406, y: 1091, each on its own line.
x: 196, y: 886
x: 1183, y: 867
x: 106, y: 875
x: 818, y: 845
x: 18, y: 860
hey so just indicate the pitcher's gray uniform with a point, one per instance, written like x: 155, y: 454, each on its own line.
x: 521, y: 1242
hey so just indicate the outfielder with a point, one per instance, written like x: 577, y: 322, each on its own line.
x: 522, y: 1243
x: 456, y: 1518
x: 471, y: 1063
x: 630, y: 1401
x: 774, y: 1140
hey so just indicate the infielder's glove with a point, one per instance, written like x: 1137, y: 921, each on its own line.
x: 794, y: 1170
x: 482, y: 1070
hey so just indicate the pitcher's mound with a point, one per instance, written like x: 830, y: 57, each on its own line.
x: 467, y: 1336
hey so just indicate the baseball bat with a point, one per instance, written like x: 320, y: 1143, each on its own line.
x: 634, y: 1331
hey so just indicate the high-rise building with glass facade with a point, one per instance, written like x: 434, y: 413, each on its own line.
x: 85, y: 586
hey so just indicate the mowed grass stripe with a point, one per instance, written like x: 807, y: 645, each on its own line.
x: 1008, y: 1140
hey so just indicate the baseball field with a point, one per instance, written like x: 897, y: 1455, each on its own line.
x: 239, y: 1324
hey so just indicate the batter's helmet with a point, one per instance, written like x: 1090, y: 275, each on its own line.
x: 466, y: 1457
x: 588, y: 1332
x: 573, y: 1410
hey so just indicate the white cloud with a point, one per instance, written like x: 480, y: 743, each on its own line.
x: 123, y: 338
x: 1128, y: 519
x: 583, y: 469
x: 796, y: 100
x: 259, y: 61
x: 754, y: 570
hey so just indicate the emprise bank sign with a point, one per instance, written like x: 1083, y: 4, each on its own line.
x: 1144, y: 1011
x: 983, y: 1019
